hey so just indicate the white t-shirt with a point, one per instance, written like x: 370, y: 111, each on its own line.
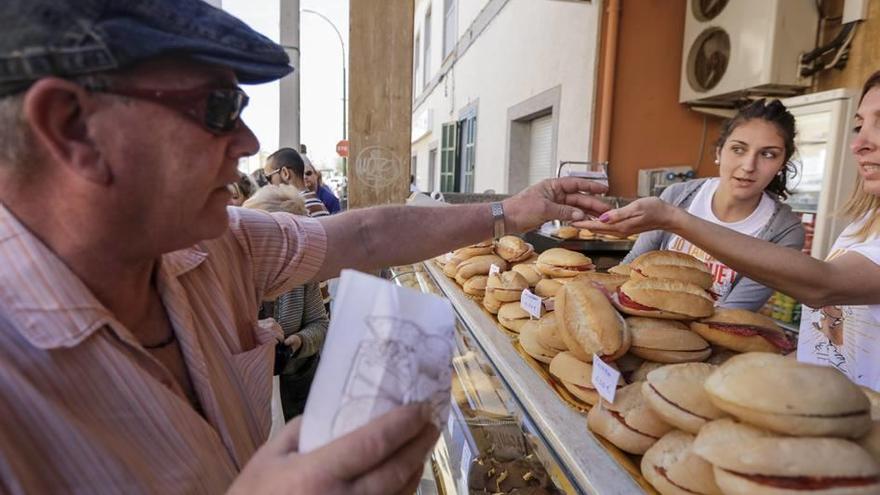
x: 845, y: 337
x: 701, y: 207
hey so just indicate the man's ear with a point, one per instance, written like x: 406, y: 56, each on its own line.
x: 57, y: 111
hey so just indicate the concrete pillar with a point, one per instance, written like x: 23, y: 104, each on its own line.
x: 288, y: 128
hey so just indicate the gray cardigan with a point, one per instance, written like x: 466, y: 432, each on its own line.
x: 784, y: 228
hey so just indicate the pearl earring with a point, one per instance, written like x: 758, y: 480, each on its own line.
x: 717, y: 162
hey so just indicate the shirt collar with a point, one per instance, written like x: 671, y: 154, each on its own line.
x: 48, y: 304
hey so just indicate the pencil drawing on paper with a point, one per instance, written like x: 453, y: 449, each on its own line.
x: 398, y: 362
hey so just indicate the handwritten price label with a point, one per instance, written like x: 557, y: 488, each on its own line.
x: 531, y: 303
x: 605, y: 379
x: 494, y: 270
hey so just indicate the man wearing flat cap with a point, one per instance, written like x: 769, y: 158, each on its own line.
x: 130, y: 356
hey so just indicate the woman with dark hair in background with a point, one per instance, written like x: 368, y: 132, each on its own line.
x: 752, y: 153
x: 842, y: 328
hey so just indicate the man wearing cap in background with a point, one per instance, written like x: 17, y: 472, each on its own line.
x: 130, y: 357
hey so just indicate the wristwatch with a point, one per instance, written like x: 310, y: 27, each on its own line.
x: 498, y: 219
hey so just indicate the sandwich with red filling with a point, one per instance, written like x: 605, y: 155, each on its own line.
x: 665, y: 341
x: 558, y: 262
x: 790, y: 397
x: 664, y: 298
x: 749, y: 461
x: 672, y: 265
x: 744, y: 331
x: 628, y: 423
x: 671, y: 467
x: 676, y: 394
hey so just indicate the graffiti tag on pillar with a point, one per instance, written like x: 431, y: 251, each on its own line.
x: 377, y: 167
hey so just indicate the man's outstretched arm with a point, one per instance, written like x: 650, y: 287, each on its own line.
x: 395, y: 235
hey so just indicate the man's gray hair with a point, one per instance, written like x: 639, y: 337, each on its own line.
x: 16, y: 140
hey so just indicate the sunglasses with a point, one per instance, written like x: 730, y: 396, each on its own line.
x: 218, y: 110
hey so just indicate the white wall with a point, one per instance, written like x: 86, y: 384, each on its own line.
x: 530, y: 47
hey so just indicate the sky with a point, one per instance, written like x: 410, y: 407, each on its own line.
x: 320, y: 75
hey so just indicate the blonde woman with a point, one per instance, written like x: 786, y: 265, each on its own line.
x: 847, y: 283
x: 300, y: 312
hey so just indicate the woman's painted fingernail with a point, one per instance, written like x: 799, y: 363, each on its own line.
x: 604, y: 217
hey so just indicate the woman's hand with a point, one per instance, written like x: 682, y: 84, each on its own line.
x: 639, y: 216
x: 294, y: 342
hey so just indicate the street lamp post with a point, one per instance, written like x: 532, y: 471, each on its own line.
x: 344, y: 85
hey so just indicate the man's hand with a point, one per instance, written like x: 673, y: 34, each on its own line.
x: 553, y: 199
x: 385, y: 456
x: 639, y: 216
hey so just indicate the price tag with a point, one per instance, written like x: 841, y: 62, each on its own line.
x: 494, y: 270
x: 549, y: 304
x: 531, y: 303
x: 605, y: 379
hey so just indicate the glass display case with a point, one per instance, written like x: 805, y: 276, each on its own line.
x: 508, y: 431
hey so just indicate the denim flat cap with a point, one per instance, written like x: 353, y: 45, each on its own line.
x: 76, y: 37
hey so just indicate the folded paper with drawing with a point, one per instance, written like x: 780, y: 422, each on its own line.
x: 387, y: 346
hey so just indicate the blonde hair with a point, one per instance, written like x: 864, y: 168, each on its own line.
x: 863, y: 204
x: 860, y: 203
x: 278, y: 198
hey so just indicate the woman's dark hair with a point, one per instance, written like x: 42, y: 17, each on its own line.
x: 775, y: 113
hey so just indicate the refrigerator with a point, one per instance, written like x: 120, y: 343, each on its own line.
x: 826, y: 169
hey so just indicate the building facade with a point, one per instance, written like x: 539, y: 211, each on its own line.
x: 503, y: 90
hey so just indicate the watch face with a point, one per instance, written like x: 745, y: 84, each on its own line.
x: 705, y: 10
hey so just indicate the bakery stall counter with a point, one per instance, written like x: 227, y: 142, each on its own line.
x: 490, y: 444
x: 552, y: 431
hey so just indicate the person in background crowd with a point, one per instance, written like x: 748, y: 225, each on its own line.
x: 300, y: 312
x: 242, y: 189
x: 131, y: 358
x: 286, y: 166
x: 259, y: 177
x: 753, y: 156
x: 315, y: 182
x: 842, y: 293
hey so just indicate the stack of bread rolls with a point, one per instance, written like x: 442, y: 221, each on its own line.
x: 706, y: 419
x: 759, y: 424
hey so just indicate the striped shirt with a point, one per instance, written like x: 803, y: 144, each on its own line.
x: 317, y: 209
x: 301, y: 311
x: 85, y: 409
x: 314, y: 204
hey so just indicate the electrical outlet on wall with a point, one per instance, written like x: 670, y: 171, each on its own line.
x: 652, y: 180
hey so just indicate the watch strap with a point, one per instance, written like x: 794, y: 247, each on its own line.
x: 498, y: 219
